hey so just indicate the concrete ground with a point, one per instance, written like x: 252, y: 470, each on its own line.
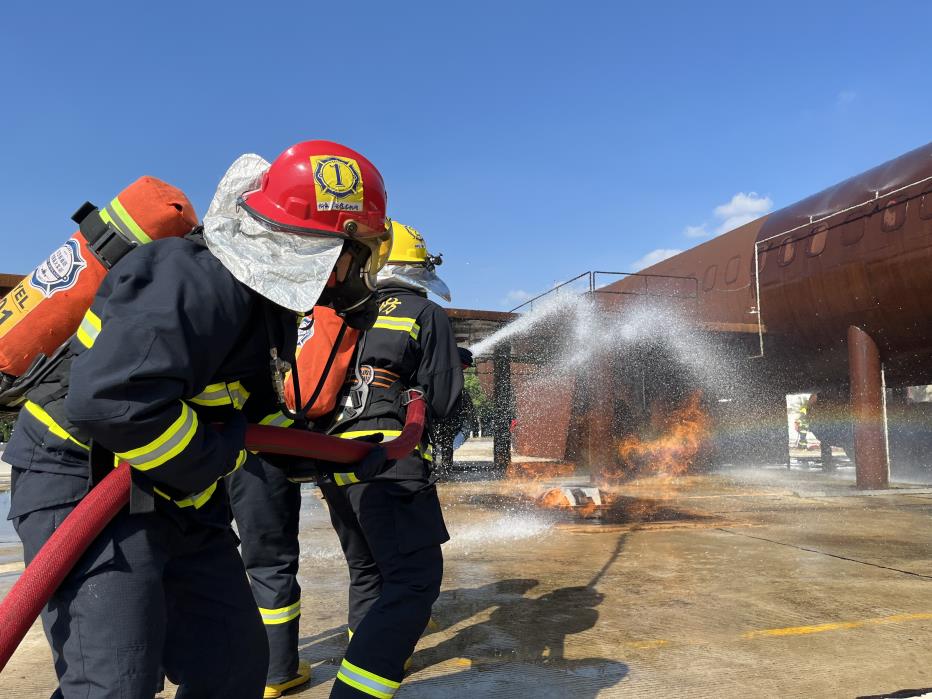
x: 742, y: 583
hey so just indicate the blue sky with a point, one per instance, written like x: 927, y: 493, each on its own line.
x: 529, y: 141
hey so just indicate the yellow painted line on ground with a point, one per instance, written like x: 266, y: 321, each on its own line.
x: 647, y: 645
x: 653, y: 644
x: 835, y: 626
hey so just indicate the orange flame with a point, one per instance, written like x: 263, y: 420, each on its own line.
x: 538, y: 470
x: 681, y: 436
x: 556, y: 499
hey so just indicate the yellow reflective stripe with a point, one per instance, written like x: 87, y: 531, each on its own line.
x: 282, y: 615
x: 214, y: 394
x: 161, y: 493
x: 222, y: 394
x: 167, y: 445
x: 278, y: 419
x: 39, y: 414
x: 428, y: 453
x: 353, y: 434
x: 128, y: 221
x: 345, y: 478
x: 89, y: 329
x: 238, y: 394
x: 198, y: 499
x: 407, y: 325
x: 366, y: 681
x: 240, y: 460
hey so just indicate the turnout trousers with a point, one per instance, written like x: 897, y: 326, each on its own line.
x: 266, y: 508
x: 390, y: 532
x: 149, y: 596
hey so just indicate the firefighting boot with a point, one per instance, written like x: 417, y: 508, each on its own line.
x: 303, y: 677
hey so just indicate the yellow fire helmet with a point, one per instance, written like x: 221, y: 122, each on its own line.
x: 410, y: 265
x: 408, y: 246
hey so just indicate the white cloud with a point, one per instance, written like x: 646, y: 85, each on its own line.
x: 696, y: 231
x: 740, y: 209
x: 653, y: 257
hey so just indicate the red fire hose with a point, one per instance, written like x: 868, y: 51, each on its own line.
x: 70, y: 540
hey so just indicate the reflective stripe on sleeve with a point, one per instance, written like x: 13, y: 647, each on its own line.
x: 222, y: 394
x: 366, y: 681
x: 278, y: 419
x: 89, y: 329
x: 407, y: 325
x: 39, y: 414
x: 198, y: 499
x: 282, y: 615
x: 167, y: 445
x: 240, y: 460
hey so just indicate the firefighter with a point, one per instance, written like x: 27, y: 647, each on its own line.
x: 266, y: 504
x: 180, y: 336
x: 391, y: 528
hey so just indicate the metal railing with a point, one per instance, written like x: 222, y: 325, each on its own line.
x: 595, y: 288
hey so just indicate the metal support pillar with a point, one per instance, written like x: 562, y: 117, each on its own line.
x: 503, y: 408
x: 867, y: 408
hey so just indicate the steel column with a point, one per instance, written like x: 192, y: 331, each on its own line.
x: 867, y: 407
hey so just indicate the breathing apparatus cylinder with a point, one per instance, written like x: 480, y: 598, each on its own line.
x: 46, y: 307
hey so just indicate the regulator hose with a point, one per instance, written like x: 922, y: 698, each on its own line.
x: 51, y: 565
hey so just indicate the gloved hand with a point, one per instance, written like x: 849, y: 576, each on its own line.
x: 372, y: 464
x: 301, y: 470
x: 233, y: 436
x: 367, y: 469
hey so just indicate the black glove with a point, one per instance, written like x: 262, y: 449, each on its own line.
x: 367, y: 469
x: 372, y: 465
x: 301, y: 470
x: 233, y: 435
x: 466, y: 358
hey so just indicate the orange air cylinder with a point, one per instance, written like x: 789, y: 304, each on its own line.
x: 46, y: 307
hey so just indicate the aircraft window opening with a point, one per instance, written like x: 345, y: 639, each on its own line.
x: 708, y: 279
x: 731, y: 269
x: 761, y: 261
x: 894, y: 215
x: 817, y: 241
x: 787, y: 251
x: 925, y: 206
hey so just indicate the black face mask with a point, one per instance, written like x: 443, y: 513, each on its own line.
x: 352, y: 298
x: 363, y: 317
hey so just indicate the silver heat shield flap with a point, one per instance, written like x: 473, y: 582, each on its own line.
x: 288, y: 269
x: 416, y: 277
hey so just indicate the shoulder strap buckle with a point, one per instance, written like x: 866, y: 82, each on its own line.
x: 411, y: 395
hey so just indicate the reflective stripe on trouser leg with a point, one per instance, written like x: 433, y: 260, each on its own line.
x: 282, y: 615
x: 365, y: 681
x: 265, y: 506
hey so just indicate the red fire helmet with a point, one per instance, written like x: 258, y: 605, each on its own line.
x: 323, y: 188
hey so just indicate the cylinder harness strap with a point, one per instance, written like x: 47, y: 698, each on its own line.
x: 105, y: 240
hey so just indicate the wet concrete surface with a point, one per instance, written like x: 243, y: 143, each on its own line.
x: 746, y: 582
